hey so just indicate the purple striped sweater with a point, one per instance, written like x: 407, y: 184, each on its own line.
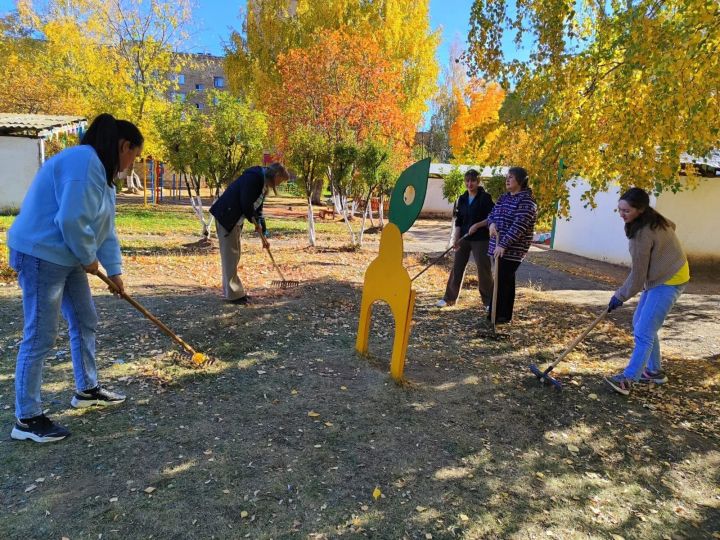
x: 514, y: 217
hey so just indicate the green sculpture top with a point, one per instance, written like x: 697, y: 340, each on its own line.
x: 408, y: 195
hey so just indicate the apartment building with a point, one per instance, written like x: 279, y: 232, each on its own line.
x: 201, y: 73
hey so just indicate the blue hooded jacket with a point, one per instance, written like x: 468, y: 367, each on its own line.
x: 68, y: 214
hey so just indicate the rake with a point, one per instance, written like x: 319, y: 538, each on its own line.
x: 438, y: 259
x: 493, y: 334
x: 197, y: 357
x: 544, y: 376
x: 282, y: 283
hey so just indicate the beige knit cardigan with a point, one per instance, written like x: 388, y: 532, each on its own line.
x: 656, y: 257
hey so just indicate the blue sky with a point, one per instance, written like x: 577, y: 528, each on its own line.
x: 214, y: 19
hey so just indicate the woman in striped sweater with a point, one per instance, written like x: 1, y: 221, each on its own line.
x: 511, y: 225
x: 659, y: 266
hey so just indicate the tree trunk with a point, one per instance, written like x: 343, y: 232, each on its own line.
x: 311, y: 223
x: 362, y: 225
x: 381, y: 212
x: 317, y: 192
x: 187, y: 186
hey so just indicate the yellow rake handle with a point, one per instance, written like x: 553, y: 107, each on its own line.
x: 145, y: 312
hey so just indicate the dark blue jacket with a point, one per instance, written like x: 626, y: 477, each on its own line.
x: 470, y: 214
x: 242, y: 199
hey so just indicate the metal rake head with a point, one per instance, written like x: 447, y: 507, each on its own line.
x: 284, y: 284
x: 195, y: 359
x: 545, y: 377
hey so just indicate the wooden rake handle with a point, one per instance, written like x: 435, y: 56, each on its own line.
x: 134, y: 303
x: 437, y: 260
x: 496, y: 271
x: 578, y: 339
x: 267, y: 248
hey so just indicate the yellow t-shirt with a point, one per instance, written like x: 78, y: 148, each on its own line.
x: 681, y: 276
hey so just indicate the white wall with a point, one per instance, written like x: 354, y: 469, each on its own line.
x: 435, y: 203
x: 599, y: 234
x: 594, y: 233
x: 19, y: 161
x: 695, y: 213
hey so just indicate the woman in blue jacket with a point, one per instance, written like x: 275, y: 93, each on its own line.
x: 65, y: 229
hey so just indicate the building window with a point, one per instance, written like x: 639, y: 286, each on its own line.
x: 199, y: 86
x: 180, y: 78
x: 200, y: 106
x: 219, y: 82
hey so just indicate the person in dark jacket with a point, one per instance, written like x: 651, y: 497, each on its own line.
x: 243, y: 199
x: 473, y: 208
x: 511, y: 224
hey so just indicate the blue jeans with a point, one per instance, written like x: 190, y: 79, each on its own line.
x: 47, y: 289
x: 653, y: 307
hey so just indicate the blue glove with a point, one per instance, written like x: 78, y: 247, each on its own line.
x: 614, y: 304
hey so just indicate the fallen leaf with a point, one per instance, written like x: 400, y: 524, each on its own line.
x: 420, y: 508
x: 464, y: 517
x: 31, y: 487
x: 593, y: 396
x: 313, y: 414
x: 149, y: 489
x: 244, y: 514
x: 376, y: 493
x: 113, y: 499
x: 572, y: 448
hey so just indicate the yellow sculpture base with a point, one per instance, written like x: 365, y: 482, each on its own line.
x: 386, y: 279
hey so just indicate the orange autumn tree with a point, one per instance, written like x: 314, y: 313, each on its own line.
x: 477, y: 122
x: 343, y: 86
x: 347, y: 91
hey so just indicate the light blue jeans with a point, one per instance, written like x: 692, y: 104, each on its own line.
x: 653, y: 307
x: 47, y: 289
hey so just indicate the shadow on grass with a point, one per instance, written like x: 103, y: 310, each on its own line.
x: 290, y: 432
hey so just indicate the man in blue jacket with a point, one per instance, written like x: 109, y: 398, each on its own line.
x: 243, y: 199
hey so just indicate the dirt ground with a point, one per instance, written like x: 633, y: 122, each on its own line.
x: 291, y: 434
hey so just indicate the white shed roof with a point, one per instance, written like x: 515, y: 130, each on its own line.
x: 39, y: 125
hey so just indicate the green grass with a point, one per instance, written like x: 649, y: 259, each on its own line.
x: 133, y: 219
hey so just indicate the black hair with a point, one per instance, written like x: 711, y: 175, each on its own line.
x: 520, y: 175
x: 640, y: 200
x: 104, y: 135
x: 472, y: 173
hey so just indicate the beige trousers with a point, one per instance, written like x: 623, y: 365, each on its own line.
x: 229, y: 259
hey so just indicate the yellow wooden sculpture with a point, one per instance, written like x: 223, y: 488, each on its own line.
x: 386, y: 279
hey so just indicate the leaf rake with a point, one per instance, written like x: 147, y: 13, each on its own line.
x: 282, y: 283
x: 196, y: 357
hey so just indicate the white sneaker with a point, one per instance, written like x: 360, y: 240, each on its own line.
x: 442, y: 303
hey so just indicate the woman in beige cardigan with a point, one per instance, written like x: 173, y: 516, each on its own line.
x: 660, y: 269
